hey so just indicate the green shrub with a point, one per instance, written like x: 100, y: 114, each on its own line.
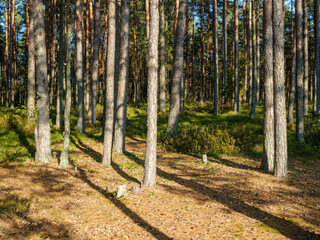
x: 211, y: 140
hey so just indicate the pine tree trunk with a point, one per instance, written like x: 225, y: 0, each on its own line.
x: 305, y: 58
x: 173, y: 121
x: 87, y: 58
x: 12, y: 65
x: 236, y: 56
x: 225, y: 46
x: 250, y: 70
x: 267, y: 163
x: 31, y: 65
x: 254, y: 62
x: 316, y: 58
x: 6, y: 53
x: 110, y: 81
x: 299, y: 111
x: 245, y: 28
x: 162, y: 45
x: 44, y: 147
x: 202, y: 52
x: 59, y: 122
x: 121, y: 109
x: 215, y: 58
x: 149, y: 178
x: 79, y: 65
x: 258, y: 52
x: 281, y: 158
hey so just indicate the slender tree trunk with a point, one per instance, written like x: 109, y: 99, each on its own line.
x: 236, y: 56
x: 95, y: 61
x: 43, y: 131
x: 293, y: 75
x: 299, y: 111
x: 173, y: 121
x: 31, y: 65
x: 245, y: 28
x: 215, y: 58
x: 110, y: 81
x: 66, y: 138
x: 202, y: 51
x: 79, y: 65
x: 135, y: 40
x: 254, y: 63
x: 59, y: 122
x: 13, y: 69
x: 6, y: 52
x: 258, y: 51
x: 250, y: 70
x: 316, y: 58
x: 162, y: 58
x: 305, y: 57
x: 147, y: 19
x: 225, y: 46
x: 176, y: 15
x: 267, y: 163
x: 121, y: 110
x: 281, y: 158
x: 87, y: 57
x: 149, y: 178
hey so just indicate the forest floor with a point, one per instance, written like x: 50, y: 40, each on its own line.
x: 227, y: 198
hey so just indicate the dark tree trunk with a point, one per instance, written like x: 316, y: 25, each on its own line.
x: 162, y: 45
x: 316, y: 58
x: 225, y: 46
x: 149, y: 178
x: 215, y: 58
x: 293, y: 75
x: 281, y: 158
x: 305, y: 58
x: 254, y: 62
x: 173, y: 121
x: 43, y: 131
x: 258, y: 52
x: 236, y: 56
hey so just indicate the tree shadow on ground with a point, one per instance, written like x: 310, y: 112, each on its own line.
x: 285, y: 227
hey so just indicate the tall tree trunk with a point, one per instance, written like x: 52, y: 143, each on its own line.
x: 147, y: 19
x: 31, y: 65
x: 173, y: 121
x: 250, y: 70
x: 176, y: 15
x: 95, y: 61
x: 202, y: 51
x: 149, y: 178
x: 162, y: 59
x: 66, y: 138
x: 6, y: 52
x: 121, y: 109
x: 258, y: 51
x: 267, y: 163
x: 215, y: 58
x: 316, y: 58
x: 90, y: 87
x: 245, y: 30
x: 135, y: 41
x: 110, y: 81
x: 225, y: 46
x: 236, y: 56
x: 293, y: 74
x: 79, y: 65
x: 43, y: 131
x: 299, y: 111
x: 254, y: 62
x: 305, y: 57
x: 13, y: 48
x: 59, y: 122
x: 281, y: 152
x: 87, y: 57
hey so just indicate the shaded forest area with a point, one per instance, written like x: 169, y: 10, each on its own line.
x: 159, y: 119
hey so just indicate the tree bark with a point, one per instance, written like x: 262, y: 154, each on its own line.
x: 13, y: 52
x: 254, y: 62
x: 121, y: 109
x: 87, y: 58
x: 267, y: 163
x: 162, y: 75
x: 236, y: 56
x: 250, y: 70
x: 281, y: 158
x: 299, y: 111
x: 110, y: 81
x: 224, y: 33
x: 149, y: 178
x: 173, y: 121
x: 316, y: 58
x: 79, y: 65
x: 258, y: 52
x: 215, y: 58
x: 245, y: 30
x: 44, y: 147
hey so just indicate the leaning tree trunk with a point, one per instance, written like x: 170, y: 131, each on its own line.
x: 299, y: 111
x: 236, y: 56
x: 66, y: 138
x: 79, y: 65
x: 173, y: 121
x: 316, y: 58
x: 215, y: 58
x: 267, y: 163
x: 121, y: 109
x: 281, y: 152
x: 149, y: 178
x: 43, y: 132
x: 162, y: 75
x: 109, y: 97
x: 31, y: 65
x: 95, y: 62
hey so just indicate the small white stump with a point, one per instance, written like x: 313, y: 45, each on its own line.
x: 121, y: 191
x: 204, y: 158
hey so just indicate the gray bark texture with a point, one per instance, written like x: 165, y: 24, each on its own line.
x: 236, y: 56
x: 79, y: 65
x: 121, y: 109
x: 281, y: 152
x: 43, y: 154
x: 95, y: 61
x: 173, y: 121
x: 305, y: 59
x: 162, y: 75
x: 299, y: 99
x: 293, y: 78
x: 31, y: 66
x: 149, y: 178
x: 110, y: 81
x: 215, y: 58
x: 267, y: 163
x: 66, y: 138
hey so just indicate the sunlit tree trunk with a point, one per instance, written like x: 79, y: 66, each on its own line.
x: 236, y: 56
x: 245, y: 28
x: 225, y: 46
x: 305, y: 58
x: 258, y: 52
